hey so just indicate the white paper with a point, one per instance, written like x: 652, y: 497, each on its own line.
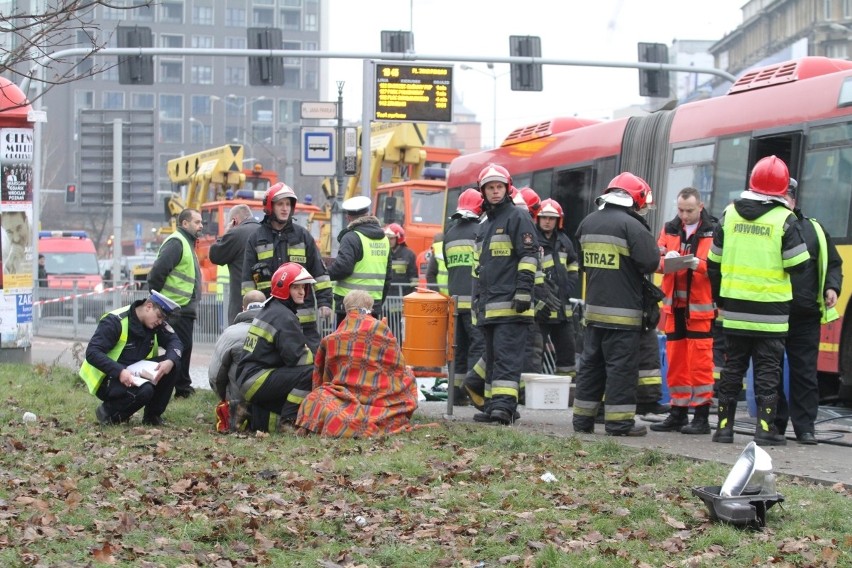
x: 676, y: 263
x: 143, y: 371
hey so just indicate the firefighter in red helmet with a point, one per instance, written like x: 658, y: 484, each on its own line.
x: 617, y: 250
x: 278, y: 240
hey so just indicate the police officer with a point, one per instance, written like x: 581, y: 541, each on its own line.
x: 177, y: 276
x: 363, y: 258
x: 815, y: 291
x: 278, y: 240
x: 457, y: 251
x: 507, y: 258
x: 755, y: 245
x: 617, y: 250
x: 559, y: 264
x: 126, y: 336
x: 230, y: 249
x: 403, y: 261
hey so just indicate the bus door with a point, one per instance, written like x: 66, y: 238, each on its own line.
x: 786, y: 145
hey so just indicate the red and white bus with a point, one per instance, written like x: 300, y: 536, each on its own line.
x: 800, y: 111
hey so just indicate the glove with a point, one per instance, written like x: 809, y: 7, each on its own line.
x: 223, y: 417
x: 672, y: 254
x: 260, y: 273
x: 521, y: 306
x: 542, y: 310
x: 693, y: 263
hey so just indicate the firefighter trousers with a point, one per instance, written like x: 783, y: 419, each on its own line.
x: 469, y: 346
x: 561, y: 335
x: 689, y: 351
x: 765, y: 353
x: 503, y: 366
x: 649, y: 386
x: 280, y: 392
x: 802, y: 348
x: 609, y: 369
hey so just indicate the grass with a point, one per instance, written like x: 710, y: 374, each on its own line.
x: 457, y: 494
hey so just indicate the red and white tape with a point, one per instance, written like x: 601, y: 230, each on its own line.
x: 84, y: 295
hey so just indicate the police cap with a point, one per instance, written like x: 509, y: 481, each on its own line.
x: 357, y: 205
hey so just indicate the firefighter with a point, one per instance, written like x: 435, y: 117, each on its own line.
x: 815, y: 291
x: 506, y: 248
x: 275, y: 371
x: 457, y: 250
x: 559, y: 264
x: 363, y: 259
x: 278, y: 240
x: 528, y: 200
x: 436, y: 269
x: 755, y: 245
x: 617, y: 250
x: 403, y: 261
x: 690, y: 313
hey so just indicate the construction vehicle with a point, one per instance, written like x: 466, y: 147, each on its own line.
x: 406, y: 183
x: 258, y: 179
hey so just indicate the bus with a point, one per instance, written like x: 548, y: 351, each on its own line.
x: 799, y: 110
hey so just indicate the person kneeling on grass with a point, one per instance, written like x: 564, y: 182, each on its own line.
x: 362, y: 387
x: 125, y: 336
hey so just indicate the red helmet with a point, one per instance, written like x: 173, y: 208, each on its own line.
x: 276, y: 193
x: 531, y: 199
x: 288, y: 274
x: 395, y: 231
x: 470, y: 203
x: 770, y: 177
x: 635, y: 186
x: 551, y: 208
x: 493, y: 172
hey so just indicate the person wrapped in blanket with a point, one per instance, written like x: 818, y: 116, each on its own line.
x: 361, y: 385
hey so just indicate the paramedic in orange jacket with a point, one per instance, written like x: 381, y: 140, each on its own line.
x: 690, y: 312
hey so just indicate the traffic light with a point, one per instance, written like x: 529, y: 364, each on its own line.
x: 525, y: 76
x: 135, y: 69
x: 653, y: 83
x: 265, y: 71
x: 71, y: 193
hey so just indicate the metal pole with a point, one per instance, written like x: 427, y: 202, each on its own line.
x: 494, y: 111
x: 116, y: 206
x: 368, y: 107
x: 338, y: 145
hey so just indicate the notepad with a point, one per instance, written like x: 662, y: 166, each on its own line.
x: 676, y: 263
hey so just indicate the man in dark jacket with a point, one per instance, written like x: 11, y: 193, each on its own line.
x: 617, y: 251
x: 176, y: 274
x: 507, y: 258
x: 815, y: 290
x: 403, y: 262
x: 125, y: 337
x: 278, y: 240
x: 363, y: 259
x: 230, y: 249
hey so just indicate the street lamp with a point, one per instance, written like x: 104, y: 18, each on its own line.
x: 494, y: 76
x: 203, y: 128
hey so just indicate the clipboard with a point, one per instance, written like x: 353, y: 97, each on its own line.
x: 143, y: 371
x: 676, y: 263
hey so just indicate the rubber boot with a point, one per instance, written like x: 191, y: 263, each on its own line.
x: 724, y: 433
x: 700, y: 421
x: 677, y: 419
x: 765, y: 432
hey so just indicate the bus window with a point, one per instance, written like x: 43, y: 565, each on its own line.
x: 691, y: 167
x: 731, y: 173
x: 542, y: 182
x: 574, y: 190
x: 826, y: 183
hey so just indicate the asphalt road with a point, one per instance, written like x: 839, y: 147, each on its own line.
x: 828, y: 463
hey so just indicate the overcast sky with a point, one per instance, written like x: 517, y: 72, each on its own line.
x: 602, y: 30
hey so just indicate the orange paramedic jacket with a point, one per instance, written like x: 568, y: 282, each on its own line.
x: 686, y: 288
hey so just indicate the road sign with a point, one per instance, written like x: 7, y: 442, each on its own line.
x: 318, y: 153
x: 319, y: 109
x: 414, y: 93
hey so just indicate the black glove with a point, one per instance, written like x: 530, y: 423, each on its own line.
x: 542, y: 311
x: 521, y: 306
x: 260, y: 273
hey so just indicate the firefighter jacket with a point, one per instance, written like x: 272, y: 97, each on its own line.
x: 689, y: 289
x: 404, y: 266
x: 616, y: 250
x: 230, y: 250
x: 559, y: 264
x: 458, y: 255
x: 507, y: 255
x: 274, y: 340
x: 808, y: 291
x: 273, y: 248
x: 355, y: 270
x: 222, y: 372
x: 176, y: 274
x: 754, y: 247
x: 121, y: 340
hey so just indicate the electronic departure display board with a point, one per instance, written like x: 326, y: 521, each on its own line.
x: 414, y: 93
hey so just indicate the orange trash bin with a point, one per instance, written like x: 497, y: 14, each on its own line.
x: 427, y: 321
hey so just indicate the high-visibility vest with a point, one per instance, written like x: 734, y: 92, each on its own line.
x: 223, y: 277
x: 369, y: 273
x: 443, y: 277
x: 180, y: 283
x: 828, y: 315
x: 91, y: 375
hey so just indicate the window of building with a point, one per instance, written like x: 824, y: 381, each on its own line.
x: 171, y: 12
x: 171, y: 40
x: 262, y: 134
x: 263, y: 17
x: 291, y: 20
x: 847, y: 9
x: 294, y: 45
x: 291, y: 3
x: 827, y: 9
x: 232, y: 42
x: 263, y: 110
x: 292, y: 78
x: 264, y: 2
x: 84, y: 100
x: 110, y: 71
x: 171, y: 132
x: 235, y: 75
x: 200, y: 133
x: 143, y: 10
x: 232, y: 133
x: 311, y: 80
x: 311, y: 23
x: 201, y: 75
x: 171, y: 107
x: 201, y: 105
x: 288, y: 111
x: 202, y: 15
x: 836, y: 50
x: 202, y: 41
x: 171, y: 71
x: 311, y: 46
x: 108, y: 13
x: 235, y: 17
x: 142, y: 101
x: 235, y: 106
x: 113, y: 100
x: 84, y: 66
